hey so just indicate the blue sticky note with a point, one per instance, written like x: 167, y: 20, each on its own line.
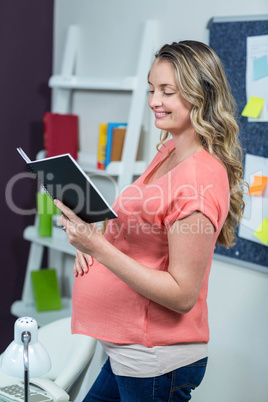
x: 260, y: 68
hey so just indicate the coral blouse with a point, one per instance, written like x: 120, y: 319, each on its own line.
x: 103, y: 305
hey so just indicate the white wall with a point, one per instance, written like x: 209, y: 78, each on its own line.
x: 238, y: 352
x: 111, y: 33
x: 238, y: 297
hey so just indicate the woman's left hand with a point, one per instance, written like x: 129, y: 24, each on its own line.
x: 83, y: 236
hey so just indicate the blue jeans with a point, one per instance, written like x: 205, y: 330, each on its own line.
x: 175, y: 386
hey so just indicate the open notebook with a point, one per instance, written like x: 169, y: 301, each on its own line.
x: 63, y: 179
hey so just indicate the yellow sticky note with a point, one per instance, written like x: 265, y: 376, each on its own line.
x: 258, y: 185
x: 253, y: 108
x: 262, y: 231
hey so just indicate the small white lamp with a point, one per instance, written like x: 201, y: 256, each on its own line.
x: 25, y: 356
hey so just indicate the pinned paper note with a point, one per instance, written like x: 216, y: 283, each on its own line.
x: 260, y: 68
x: 262, y: 231
x: 258, y: 185
x: 257, y: 73
x: 256, y: 208
x: 253, y: 108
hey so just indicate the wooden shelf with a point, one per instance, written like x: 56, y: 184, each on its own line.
x: 88, y: 83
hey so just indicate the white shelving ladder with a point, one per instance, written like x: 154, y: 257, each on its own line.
x: 64, y: 84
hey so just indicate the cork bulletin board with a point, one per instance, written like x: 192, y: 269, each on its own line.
x: 229, y: 38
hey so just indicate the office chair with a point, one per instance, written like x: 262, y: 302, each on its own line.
x: 70, y: 354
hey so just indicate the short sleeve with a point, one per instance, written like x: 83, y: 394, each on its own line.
x: 200, y: 187
x: 183, y: 208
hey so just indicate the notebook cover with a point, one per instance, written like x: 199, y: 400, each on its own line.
x: 64, y: 180
x: 46, y: 290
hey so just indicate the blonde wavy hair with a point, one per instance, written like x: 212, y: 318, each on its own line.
x: 202, y: 82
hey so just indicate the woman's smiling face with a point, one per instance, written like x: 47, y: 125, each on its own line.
x: 172, y: 112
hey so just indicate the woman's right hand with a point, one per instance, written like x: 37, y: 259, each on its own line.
x: 82, y: 263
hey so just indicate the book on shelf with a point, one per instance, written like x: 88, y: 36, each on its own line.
x: 46, y: 290
x: 102, y: 146
x: 119, y: 134
x: 60, y: 134
x: 65, y: 180
x: 117, y: 143
x: 110, y: 128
